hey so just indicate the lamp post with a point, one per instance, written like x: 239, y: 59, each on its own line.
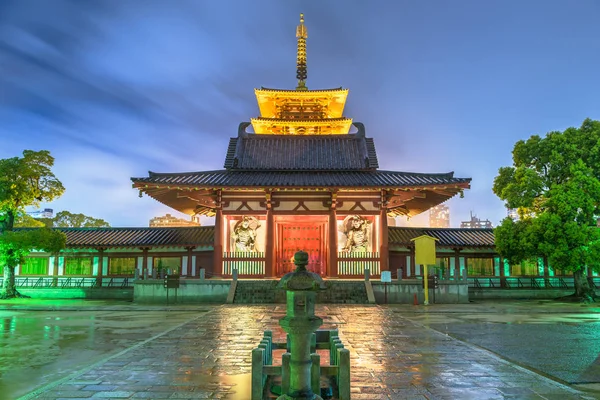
x: 300, y: 322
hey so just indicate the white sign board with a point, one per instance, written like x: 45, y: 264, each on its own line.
x: 386, y: 276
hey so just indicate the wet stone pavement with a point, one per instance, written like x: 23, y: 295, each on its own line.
x: 396, y: 352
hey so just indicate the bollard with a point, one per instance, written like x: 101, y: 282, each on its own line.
x: 257, y: 378
x: 464, y: 274
x: 332, y: 339
x: 265, y: 347
x: 344, y: 374
x: 415, y: 300
x: 234, y: 274
x: 202, y: 274
x: 367, y: 274
x: 285, y: 372
x: 400, y: 271
x: 268, y: 335
x: 315, y: 373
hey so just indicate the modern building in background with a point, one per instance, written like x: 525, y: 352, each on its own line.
x: 171, y: 221
x: 476, y: 223
x: 439, y: 216
x: 45, y: 213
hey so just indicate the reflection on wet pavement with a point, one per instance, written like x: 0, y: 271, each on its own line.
x: 37, y: 348
x: 396, y: 351
x: 565, y: 346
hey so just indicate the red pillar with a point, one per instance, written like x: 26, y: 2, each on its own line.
x: 218, y: 246
x: 270, y: 245
x: 333, y: 244
x: 384, y: 252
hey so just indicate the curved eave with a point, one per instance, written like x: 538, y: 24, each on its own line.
x: 305, y: 93
x: 268, y: 100
x: 410, y: 200
x: 338, y: 126
x: 319, y: 122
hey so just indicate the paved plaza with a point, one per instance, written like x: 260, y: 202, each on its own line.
x: 516, y: 350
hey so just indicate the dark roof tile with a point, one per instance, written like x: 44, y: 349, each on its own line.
x: 139, y: 237
x: 306, y: 152
x: 448, y: 237
x: 229, y: 178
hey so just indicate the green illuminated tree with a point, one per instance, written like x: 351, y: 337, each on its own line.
x: 25, y: 181
x: 554, y: 182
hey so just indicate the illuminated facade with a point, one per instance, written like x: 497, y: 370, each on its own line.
x: 439, y: 216
x: 170, y: 220
x: 301, y: 181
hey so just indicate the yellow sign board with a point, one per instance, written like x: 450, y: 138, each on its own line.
x: 425, y: 255
x: 424, y: 250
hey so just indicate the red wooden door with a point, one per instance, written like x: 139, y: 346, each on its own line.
x: 301, y: 236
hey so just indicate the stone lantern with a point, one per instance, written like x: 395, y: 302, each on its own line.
x: 300, y: 322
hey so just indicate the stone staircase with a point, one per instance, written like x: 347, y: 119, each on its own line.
x: 263, y: 291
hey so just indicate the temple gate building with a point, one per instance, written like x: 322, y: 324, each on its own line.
x: 295, y: 178
x: 299, y: 176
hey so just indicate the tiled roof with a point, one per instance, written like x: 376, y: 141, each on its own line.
x: 306, y: 152
x: 303, y: 91
x: 204, y: 236
x: 448, y: 237
x: 305, y: 179
x: 138, y: 237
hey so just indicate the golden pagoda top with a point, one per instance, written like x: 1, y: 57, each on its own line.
x: 300, y: 110
x: 301, y: 67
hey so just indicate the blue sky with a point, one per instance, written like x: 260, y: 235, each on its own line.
x: 114, y: 89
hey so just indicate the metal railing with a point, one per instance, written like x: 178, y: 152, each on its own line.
x: 59, y: 282
x: 526, y: 282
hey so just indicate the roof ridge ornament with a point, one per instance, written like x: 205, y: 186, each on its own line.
x: 301, y: 68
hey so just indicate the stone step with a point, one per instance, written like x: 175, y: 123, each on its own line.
x: 264, y: 291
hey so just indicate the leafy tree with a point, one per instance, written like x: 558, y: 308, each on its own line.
x: 26, y: 221
x: 65, y: 219
x: 25, y: 181
x: 554, y: 182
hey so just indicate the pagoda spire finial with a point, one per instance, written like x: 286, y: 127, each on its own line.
x: 301, y: 69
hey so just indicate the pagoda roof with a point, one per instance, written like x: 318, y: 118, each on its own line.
x: 304, y: 93
x: 447, y: 237
x: 301, y: 179
x: 325, y: 126
x: 138, y: 237
x: 301, y: 152
x: 284, y: 121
